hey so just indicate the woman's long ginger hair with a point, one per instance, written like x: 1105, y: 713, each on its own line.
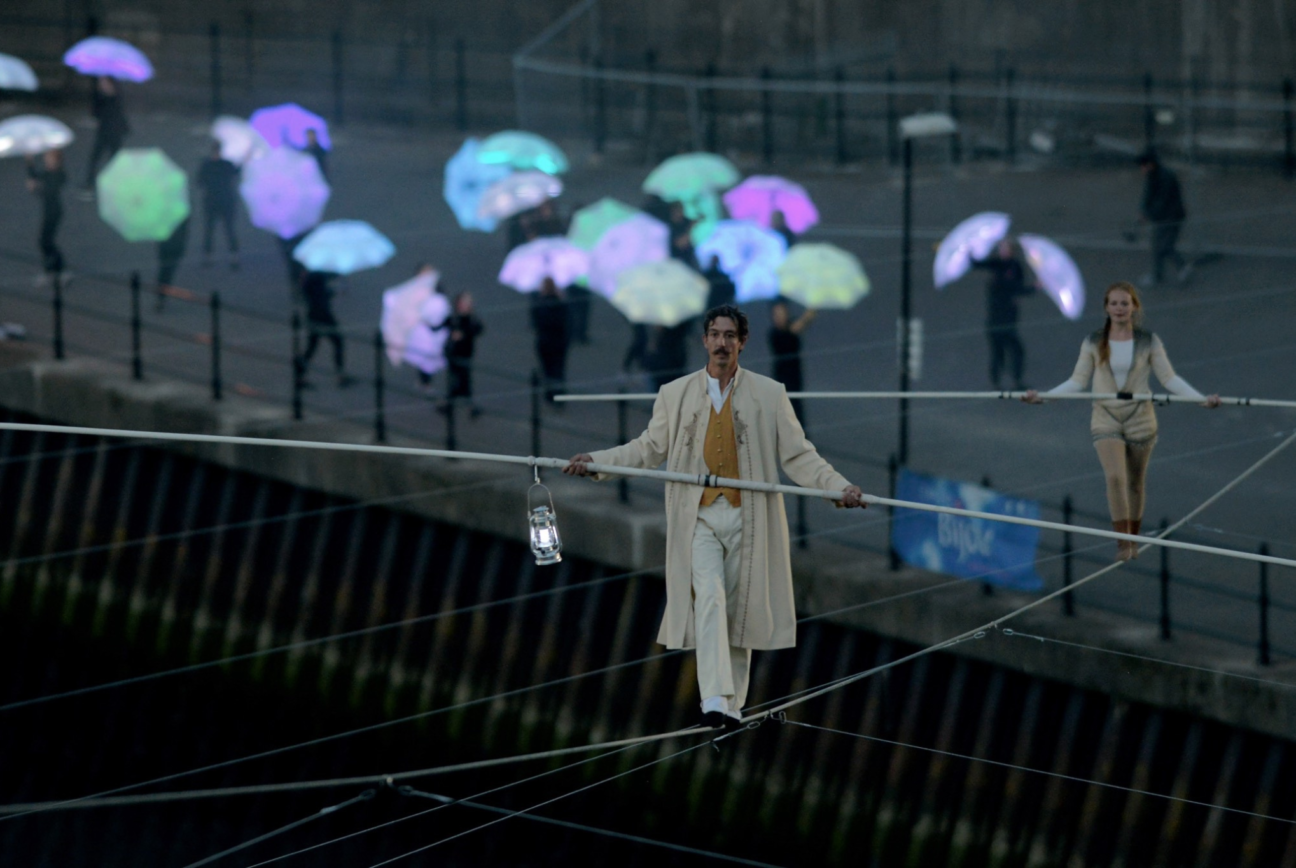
x: 1104, y: 346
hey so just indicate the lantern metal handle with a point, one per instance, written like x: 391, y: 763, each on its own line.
x: 539, y: 484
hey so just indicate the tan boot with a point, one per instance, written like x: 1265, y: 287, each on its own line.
x: 1136, y: 528
x: 1124, y: 550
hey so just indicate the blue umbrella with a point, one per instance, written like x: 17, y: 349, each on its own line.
x: 344, y: 247
x: 466, y: 180
x: 15, y: 74
x: 749, y: 253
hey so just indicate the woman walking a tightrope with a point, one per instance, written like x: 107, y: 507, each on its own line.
x: 1120, y: 357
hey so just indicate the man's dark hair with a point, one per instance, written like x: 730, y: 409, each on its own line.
x: 1148, y: 158
x: 731, y: 311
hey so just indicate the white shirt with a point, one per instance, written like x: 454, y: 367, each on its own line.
x: 713, y: 391
x: 1121, y: 360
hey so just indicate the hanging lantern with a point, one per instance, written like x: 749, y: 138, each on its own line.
x: 545, y: 542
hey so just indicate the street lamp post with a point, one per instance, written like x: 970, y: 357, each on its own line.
x: 925, y: 125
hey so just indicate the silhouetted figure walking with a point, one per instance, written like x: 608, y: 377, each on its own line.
x: 170, y: 253
x: 107, y: 107
x: 465, y: 328
x: 549, y: 319
x: 1163, y: 208
x: 218, y: 179
x: 317, y: 294
x: 785, y: 350
x: 46, y: 178
x: 1007, y: 284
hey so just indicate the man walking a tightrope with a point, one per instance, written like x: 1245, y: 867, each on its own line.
x: 728, y: 565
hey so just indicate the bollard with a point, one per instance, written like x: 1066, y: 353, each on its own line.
x: 461, y: 86
x: 380, y: 416
x: 1010, y: 118
x: 535, y: 412
x: 893, y: 471
x: 214, y: 37
x: 297, y: 373
x: 58, y: 315
x: 137, y: 363
x: 1289, y: 144
x: 767, y: 118
x: 600, y: 107
x: 1263, y: 656
x: 623, y: 435
x: 1068, y: 601
x: 1165, y: 586
x: 1149, y: 113
x: 839, y: 112
x: 892, y: 119
x: 339, y: 117
x: 956, y: 143
x: 215, y: 347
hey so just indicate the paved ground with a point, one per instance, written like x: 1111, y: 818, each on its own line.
x: 1228, y: 330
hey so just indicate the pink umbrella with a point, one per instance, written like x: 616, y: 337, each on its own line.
x: 403, y: 311
x: 284, y: 192
x: 425, y: 343
x: 758, y: 197
x: 1057, y: 273
x: 528, y: 265
x: 974, y: 238
x: 634, y: 241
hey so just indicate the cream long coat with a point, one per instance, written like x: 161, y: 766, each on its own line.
x: 762, y: 614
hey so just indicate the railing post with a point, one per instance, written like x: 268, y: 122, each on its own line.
x: 214, y: 35
x: 767, y: 118
x: 893, y: 473
x: 600, y: 107
x: 1289, y: 130
x: 339, y: 116
x: 461, y: 86
x: 1010, y: 117
x: 892, y: 119
x: 451, y: 438
x: 1149, y: 113
x: 1165, y: 586
x: 297, y: 373
x: 623, y: 435
x: 1263, y: 656
x: 839, y: 112
x: 58, y: 315
x: 216, y: 385
x: 956, y: 142
x: 136, y: 324
x: 535, y: 412
x: 380, y: 416
x: 1068, y: 599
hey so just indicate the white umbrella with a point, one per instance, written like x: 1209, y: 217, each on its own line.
x: 516, y: 193
x: 15, y: 74
x: 239, y: 140
x: 25, y: 135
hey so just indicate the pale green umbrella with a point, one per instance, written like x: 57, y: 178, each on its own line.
x: 142, y: 194
x: 589, y: 223
x: 661, y: 293
x: 688, y: 177
x: 822, y: 276
x: 522, y: 151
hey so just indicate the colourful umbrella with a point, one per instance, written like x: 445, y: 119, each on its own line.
x: 660, y: 293
x: 822, y: 276
x: 522, y: 151
x: 974, y: 238
x: 240, y: 142
x: 631, y: 242
x: 758, y: 197
x: 749, y: 254
x: 689, y: 176
x: 15, y: 74
x: 1057, y: 273
x: 425, y: 343
x: 25, y: 135
x: 286, y: 125
x: 284, y: 192
x: 529, y: 264
x: 344, y: 247
x: 142, y: 194
x: 466, y: 179
x: 103, y: 55
x: 589, y: 223
x: 515, y: 193
x: 407, y: 307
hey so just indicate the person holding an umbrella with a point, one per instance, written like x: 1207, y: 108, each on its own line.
x: 465, y: 328
x: 218, y: 178
x: 106, y: 105
x: 728, y: 569
x: 549, y: 319
x: 1163, y: 207
x: 317, y: 294
x: 1006, y: 285
x: 46, y: 178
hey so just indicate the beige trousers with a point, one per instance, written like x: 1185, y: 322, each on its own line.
x: 722, y: 669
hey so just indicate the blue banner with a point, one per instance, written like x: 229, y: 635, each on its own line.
x: 971, y: 548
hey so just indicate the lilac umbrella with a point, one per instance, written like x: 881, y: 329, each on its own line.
x: 633, y: 241
x: 974, y: 238
x: 528, y: 265
x: 515, y: 193
x: 286, y: 125
x: 425, y: 343
x: 1057, y: 273
x: 103, y: 55
x: 284, y: 192
x: 412, y: 317
x: 757, y: 198
x: 749, y: 254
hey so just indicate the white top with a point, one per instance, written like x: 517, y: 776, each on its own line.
x: 713, y: 392
x: 1121, y: 361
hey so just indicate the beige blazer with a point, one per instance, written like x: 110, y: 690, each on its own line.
x: 762, y: 614
x: 1149, y: 358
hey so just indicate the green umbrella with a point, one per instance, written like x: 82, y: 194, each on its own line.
x: 661, y: 293
x: 142, y: 194
x: 522, y: 151
x: 822, y: 276
x: 688, y: 177
x: 589, y: 223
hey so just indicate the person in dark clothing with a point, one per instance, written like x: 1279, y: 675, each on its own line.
x: 1007, y: 284
x: 779, y: 224
x: 106, y: 105
x: 46, y: 178
x: 316, y: 150
x: 465, y: 328
x: 785, y: 350
x: 1163, y: 208
x: 681, y: 237
x: 637, y: 351
x: 549, y: 319
x: 668, y: 358
x: 317, y: 295
x: 170, y: 253
x: 218, y: 178
x: 722, y: 290
x: 296, y: 271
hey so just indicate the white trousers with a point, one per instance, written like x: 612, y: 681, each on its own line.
x: 722, y: 669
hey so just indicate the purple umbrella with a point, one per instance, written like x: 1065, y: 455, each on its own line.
x: 758, y: 197
x: 286, y: 125
x: 1057, y: 273
x: 974, y: 238
x: 749, y: 254
x: 284, y: 192
x: 528, y: 265
x: 403, y: 311
x: 633, y: 241
x: 103, y: 55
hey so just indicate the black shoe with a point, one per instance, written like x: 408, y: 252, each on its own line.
x: 732, y: 724
x: 714, y: 720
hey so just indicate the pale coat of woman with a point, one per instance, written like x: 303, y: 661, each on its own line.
x: 762, y: 615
